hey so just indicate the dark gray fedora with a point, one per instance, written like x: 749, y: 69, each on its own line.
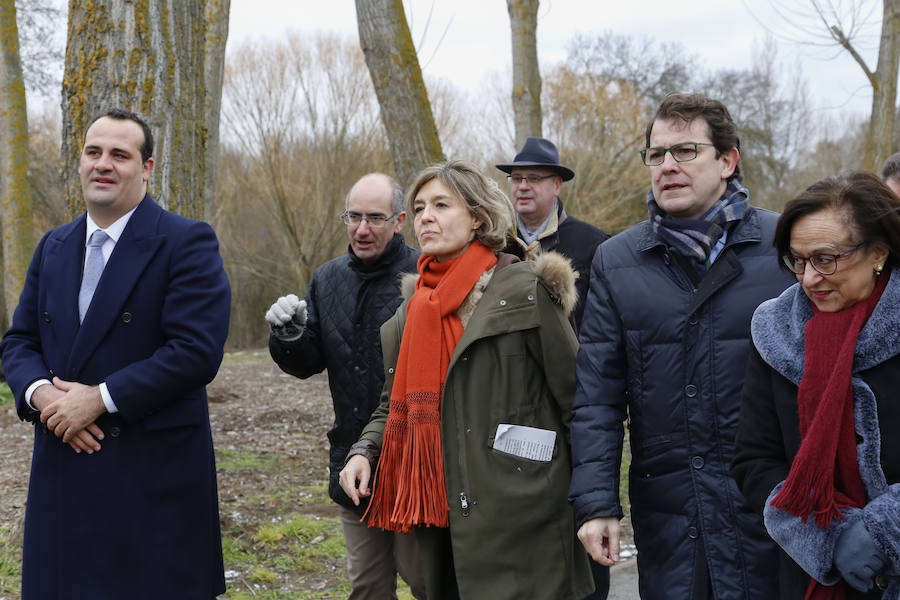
x: 538, y: 152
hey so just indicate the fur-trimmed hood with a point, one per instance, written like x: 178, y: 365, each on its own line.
x: 553, y: 270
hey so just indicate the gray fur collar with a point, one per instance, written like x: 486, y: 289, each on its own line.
x: 778, y: 333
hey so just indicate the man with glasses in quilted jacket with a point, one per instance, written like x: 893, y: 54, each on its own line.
x: 337, y: 327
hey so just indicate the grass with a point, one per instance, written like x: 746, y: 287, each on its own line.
x: 6, y: 396
x: 10, y: 566
x: 243, y: 460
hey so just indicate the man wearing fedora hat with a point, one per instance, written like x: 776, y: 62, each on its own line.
x: 535, y: 180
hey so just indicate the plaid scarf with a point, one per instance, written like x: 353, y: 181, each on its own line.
x: 695, y: 239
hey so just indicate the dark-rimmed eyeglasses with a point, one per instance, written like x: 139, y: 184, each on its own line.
x: 532, y: 180
x: 683, y: 152
x: 375, y: 221
x: 825, y: 264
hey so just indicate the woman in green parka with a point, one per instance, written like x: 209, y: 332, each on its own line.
x: 471, y: 439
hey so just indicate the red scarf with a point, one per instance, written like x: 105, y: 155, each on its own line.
x: 409, y: 479
x: 824, y: 477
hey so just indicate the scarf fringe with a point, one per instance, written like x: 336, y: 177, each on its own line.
x: 421, y: 498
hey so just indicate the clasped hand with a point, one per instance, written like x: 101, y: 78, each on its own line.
x: 69, y: 409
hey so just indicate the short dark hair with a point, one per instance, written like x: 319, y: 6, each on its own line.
x: 872, y: 209
x: 722, y: 130
x: 891, y: 167
x: 120, y: 114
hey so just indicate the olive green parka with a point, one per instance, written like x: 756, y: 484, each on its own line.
x: 512, y: 529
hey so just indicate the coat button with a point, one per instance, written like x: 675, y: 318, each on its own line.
x: 126, y: 317
x: 692, y: 320
x: 692, y: 533
x: 503, y: 303
x: 531, y: 297
x: 391, y: 370
x: 115, y: 431
x: 690, y: 390
x: 697, y: 462
x: 46, y: 317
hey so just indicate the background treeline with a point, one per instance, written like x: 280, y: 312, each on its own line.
x: 300, y: 123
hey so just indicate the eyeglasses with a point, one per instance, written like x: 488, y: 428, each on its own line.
x: 683, y: 152
x: 826, y: 264
x: 532, y: 180
x: 374, y: 221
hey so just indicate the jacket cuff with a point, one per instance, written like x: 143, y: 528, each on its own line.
x: 584, y: 512
x: 367, y: 449
x: 810, y: 546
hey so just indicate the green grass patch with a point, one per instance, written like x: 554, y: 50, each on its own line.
x: 239, y: 460
x: 263, y: 575
x: 302, y: 544
x: 6, y: 396
x: 10, y: 566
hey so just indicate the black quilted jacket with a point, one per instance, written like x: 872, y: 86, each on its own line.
x: 347, y: 302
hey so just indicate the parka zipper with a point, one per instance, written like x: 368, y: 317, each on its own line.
x: 464, y: 503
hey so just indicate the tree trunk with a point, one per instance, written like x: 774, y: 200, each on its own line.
x: 394, y: 68
x: 526, y: 92
x: 152, y: 58
x: 216, y: 36
x: 884, y: 90
x: 16, y: 200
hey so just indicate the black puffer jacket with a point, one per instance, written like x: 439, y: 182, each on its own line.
x: 669, y: 354
x: 347, y: 302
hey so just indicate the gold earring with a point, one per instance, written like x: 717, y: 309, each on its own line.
x: 878, y: 269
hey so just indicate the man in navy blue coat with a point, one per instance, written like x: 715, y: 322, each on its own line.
x: 122, y: 497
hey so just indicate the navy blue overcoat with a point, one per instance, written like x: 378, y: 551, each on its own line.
x: 139, y: 519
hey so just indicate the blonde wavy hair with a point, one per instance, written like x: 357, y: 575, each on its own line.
x: 484, y: 199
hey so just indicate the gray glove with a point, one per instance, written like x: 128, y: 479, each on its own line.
x: 287, y: 317
x: 857, y: 557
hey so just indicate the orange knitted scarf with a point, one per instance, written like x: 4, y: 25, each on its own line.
x: 409, y: 479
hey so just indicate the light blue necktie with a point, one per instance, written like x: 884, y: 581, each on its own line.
x: 93, y: 269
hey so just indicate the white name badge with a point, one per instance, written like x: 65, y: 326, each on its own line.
x: 526, y: 442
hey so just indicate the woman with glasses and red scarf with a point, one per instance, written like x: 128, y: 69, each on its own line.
x: 817, y: 450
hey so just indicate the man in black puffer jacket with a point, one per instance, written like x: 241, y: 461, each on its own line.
x: 337, y: 327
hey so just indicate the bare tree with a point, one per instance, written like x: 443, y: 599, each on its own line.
x: 300, y: 125
x: 394, y: 68
x: 526, y: 91
x: 598, y: 124
x: 214, y: 66
x: 152, y: 58
x: 771, y: 107
x: 15, y: 206
x: 844, y: 24
x: 41, y: 48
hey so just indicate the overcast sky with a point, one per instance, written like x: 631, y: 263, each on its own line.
x: 720, y: 33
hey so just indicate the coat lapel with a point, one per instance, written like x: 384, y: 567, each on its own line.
x: 62, y: 265
x: 137, y: 245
